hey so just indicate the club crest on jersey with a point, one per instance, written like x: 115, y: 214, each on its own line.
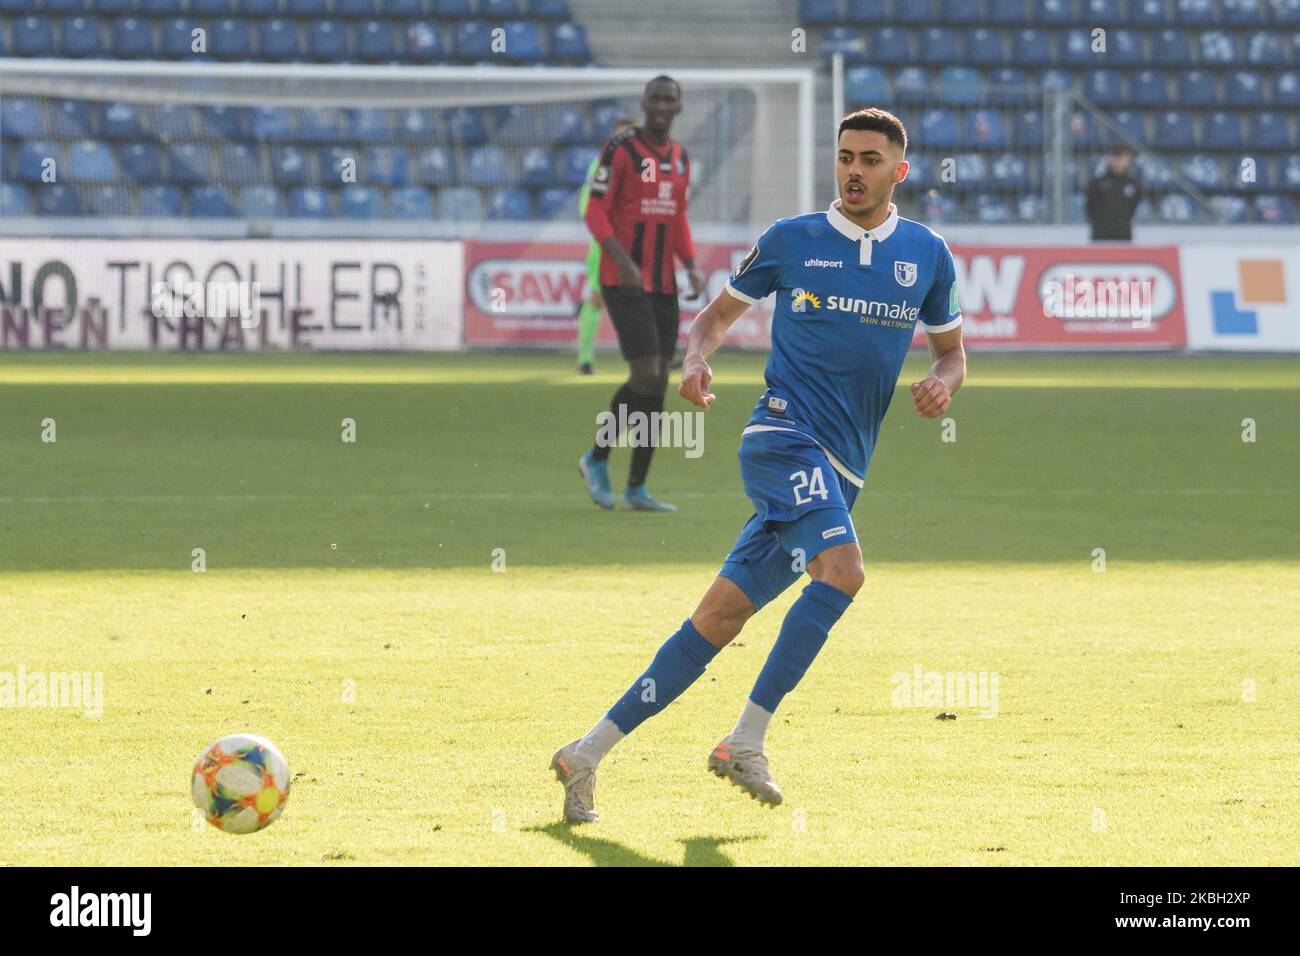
x: 905, y: 273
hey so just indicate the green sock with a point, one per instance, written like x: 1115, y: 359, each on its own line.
x: 588, y: 323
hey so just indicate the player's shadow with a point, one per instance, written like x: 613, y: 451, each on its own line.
x: 700, y: 851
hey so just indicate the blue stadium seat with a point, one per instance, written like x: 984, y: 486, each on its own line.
x: 1243, y: 88
x: 1286, y: 11
x: 549, y: 9
x: 865, y: 11
x: 62, y: 7
x: 604, y: 115
x: 319, y: 124
x: 938, y: 45
x: 1197, y: 88
x: 568, y: 43
x: 971, y: 172
x: 410, y: 202
x: 401, y: 9
x: 523, y: 42
x: 1008, y: 12
x: 557, y: 202
x: 354, y: 9
x: 56, y: 199
x: 958, y: 11
x: 1222, y: 131
x: 887, y: 45
x: 223, y: 122
x: 1171, y: 48
x: 537, y: 168
x: 260, y: 202
x: 571, y: 128
x: 1032, y: 47
x: 19, y: 117
x: 307, y: 202
x: 33, y: 36
x: 961, y: 85
x: 1011, y: 170
x: 510, y: 202
x: 938, y: 207
x: 1174, y: 130
x: 386, y: 165
x: 338, y: 162
x: 486, y: 166
x: 1269, y: 131
x: 161, y: 8
x: 1134, y: 124
x: 415, y: 123
x: 80, y: 36
x: 465, y: 124
x: 1104, y: 87
x: 451, y: 9
x: 178, y: 39
x: 1286, y: 89
x: 132, y: 38
x: 1083, y: 131
x: 1290, y: 173
x: 1275, y: 210
x: 1124, y: 48
x: 327, y: 41
x: 849, y: 41
x: 232, y: 40
x: 107, y: 201
x: 292, y: 165
x: 1266, y: 49
x: 1148, y: 88
x: 938, y: 128
x: 376, y: 42
x: 865, y: 84
x: 1194, y: 12
x: 116, y: 7
x: 574, y: 162
x: 498, y: 9
x: 208, y: 9
x: 71, y: 118
x: 985, y: 129
x: 369, y: 124
x: 160, y: 201
x: 1202, y: 171
x: 1153, y: 171
x: 916, y: 11
x: 1053, y: 12
x: 140, y: 162
x: 423, y: 42
x: 168, y: 121
x: 189, y: 164
x: 984, y: 47
x: 1243, y: 13
x: 1101, y: 11
x: 121, y: 121
x: 258, y: 9
x: 1027, y: 130
x: 912, y: 83
x: 14, y: 201
x: 472, y: 41
x: 360, y: 202
x: 271, y: 123
x: 460, y: 205
x: 1148, y: 12
x: 1077, y: 49
x: 211, y: 202
x: 306, y: 9
x: 1219, y: 48
x: 278, y: 40
x: 1249, y: 172
x: 240, y: 164
x: 1008, y: 86
x: 1231, y: 209
x: 1055, y: 79
x: 818, y: 12
x: 434, y: 167
x: 1031, y: 208
x: 992, y: 209
x: 920, y: 172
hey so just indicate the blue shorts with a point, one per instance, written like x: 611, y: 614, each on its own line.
x: 801, y: 508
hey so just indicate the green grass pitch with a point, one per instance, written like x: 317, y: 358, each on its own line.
x: 350, y: 611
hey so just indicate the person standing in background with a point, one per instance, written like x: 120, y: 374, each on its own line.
x: 1113, y: 198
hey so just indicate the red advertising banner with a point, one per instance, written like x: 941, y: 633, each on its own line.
x: 528, y: 293
x: 1081, y: 297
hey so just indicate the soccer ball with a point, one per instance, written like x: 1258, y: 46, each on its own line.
x: 240, y: 783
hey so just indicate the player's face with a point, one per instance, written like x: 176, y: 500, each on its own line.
x: 661, y: 104
x: 867, y: 168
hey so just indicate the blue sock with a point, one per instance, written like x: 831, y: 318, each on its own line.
x: 677, y: 666
x: 803, y: 632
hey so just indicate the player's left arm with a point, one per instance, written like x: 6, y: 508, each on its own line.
x: 941, y: 318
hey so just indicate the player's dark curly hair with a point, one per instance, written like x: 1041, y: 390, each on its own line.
x: 877, y: 121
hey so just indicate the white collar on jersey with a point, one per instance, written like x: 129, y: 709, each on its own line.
x: 851, y: 230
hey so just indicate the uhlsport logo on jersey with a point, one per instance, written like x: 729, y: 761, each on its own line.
x: 802, y: 299
x: 905, y: 273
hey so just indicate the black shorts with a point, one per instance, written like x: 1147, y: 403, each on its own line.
x: 646, y: 324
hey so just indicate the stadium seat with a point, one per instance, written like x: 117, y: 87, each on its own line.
x: 161, y: 8
x: 1231, y: 209
x: 938, y: 45
x: 916, y: 11
x: 14, y: 201
x: 1148, y: 88
x: 210, y: 8
x: 327, y: 41
x: 319, y: 124
x: 486, y: 166
x: 1243, y: 88
x: 360, y: 202
x: 992, y: 209
x: 961, y: 85
x: 278, y: 40
x: 1032, y: 47
x: 971, y: 172
x: 1170, y: 48
x: 958, y: 11
x: 386, y: 165
x: 168, y: 121
x: 1222, y: 131
x: 415, y: 123
x: 232, y: 40
x: 1083, y: 131
x: 355, y: 9
x: 140, y: 162
x: 1174, y: 130
x: 1201, y: 171
x: 498, y: 9
x: 1197, y: 88
x: 71, y: 118
x: 1104, y: 87
x: 260, y: 202
x: 984, y: 47
x: 1194, y: 12
x: 603, y: 116
x: 912, y: 83
x: 114, y: 7
x: 211, y: 202
x: 1286, y: 11
x: 985, y: 129
x: 178, y: 39
x: 19, y: 118
x: 257, y: 9
x: 132, y: 38
x: 33, y: 36
x: 1027, y: 130
x: 460, y: 205
x: 568, y: 43
x: 1011, y: 171
x: 1286, y: 89
x: 1008, y: 12
x: 80, y: 36
x: 851, y: 42
x: 549, y: 9
x: 523, y: 42
x: 465, y: 124
x: 1269, y: 131
x: 57, y: 199
x: 472, y: 41
x: 1274, y: 210
x: 1076, y: 49
x: 121, y: 121
x: 223, y: 122
x: 574, y: 162
x: 938, y: 128
x: 1133, y: 124
x: 1009, y: 86
x: 339, y: 163
x: 865, y: 11
x: 938, y: 207
x: 62, y: 7
x: 451, y: 9
x: 307, y: 202
x: 1219, y: 48
x: 1124, y: 48
x: 1148, y: 12
x: 423, y: 42
x: 1153, y: 172
x: 189, y: 164
x: 510, y: 203
x: 306, y: 9
x: 1056, y: 13
x: 108, y: 201
x: 1249, y: 172
x: 434, y: 167
x: 557, y: 202
x: 537, y: 168
x: 888, y: 45
x: 1031, y: 208
x: 271, y: 123
x: 920, y: 173
x: 1266, y: 49
x: 240, y: 164
x: 292, y: 165
x: 411, y: 202
x: 1055, y: 79
x: 517, y: 124
x: 376, y: 42
x: 369, y: 124
x: 865, y: 84
x: 1244, y: 13
x: 818, y: 12
x: 1290, y: 173
x: 160, y: 201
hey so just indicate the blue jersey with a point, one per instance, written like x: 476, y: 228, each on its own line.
x: 847, y: 302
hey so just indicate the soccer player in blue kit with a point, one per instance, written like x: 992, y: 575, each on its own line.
x: 850, y: 283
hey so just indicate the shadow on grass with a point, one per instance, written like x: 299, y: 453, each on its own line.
x: 700, y: 851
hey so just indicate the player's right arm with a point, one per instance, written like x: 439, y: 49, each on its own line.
x: 603, y: 187
x: 757, y: 276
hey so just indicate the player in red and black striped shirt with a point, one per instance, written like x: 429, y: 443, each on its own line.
x: 637, y: 212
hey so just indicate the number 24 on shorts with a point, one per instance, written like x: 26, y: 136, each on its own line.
x: 806, y: 488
